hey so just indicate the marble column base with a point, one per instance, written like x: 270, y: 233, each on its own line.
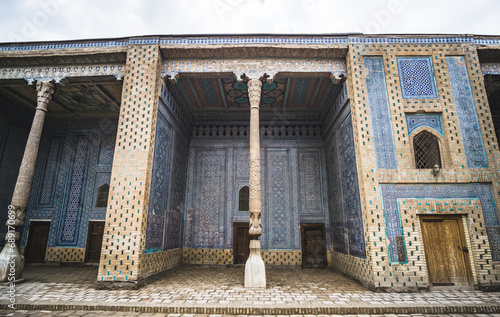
x: 255, y: 270
x: 11, y: 263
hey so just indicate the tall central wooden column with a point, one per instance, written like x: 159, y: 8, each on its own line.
x: 255, y: 272
x: 11, y: 261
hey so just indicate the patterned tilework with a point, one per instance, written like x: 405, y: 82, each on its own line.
x: 207, y: 256
x: 466, y: 112
x: 65, y: 254
x: 277, y: 156
x: 159, y: 185
x: 70, y: 216
x: 282, y: 257
x: 107, y: 147
x: 61, y: 160
x: 355, y: 267
x: 46, y: 197
x: 431, y: 120
x: 350, y: 190
x: 254, y: 40
x: 383, y: 136
x: 337, y: 216
x: 416, y: 77
x: 390, y: 193
x: 455, y: 171
x: 310, y: 184
x: 160, y: 261
x: 126, y: 216
x: 414, y: 272
x: 278, y: 204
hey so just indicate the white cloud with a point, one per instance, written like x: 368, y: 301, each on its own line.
x: 40, y: 20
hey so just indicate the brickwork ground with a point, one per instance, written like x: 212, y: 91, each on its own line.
x: 209, y: 290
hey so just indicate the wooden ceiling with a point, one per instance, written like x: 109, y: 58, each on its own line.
x: 288, y: 92
x: 72, y: 97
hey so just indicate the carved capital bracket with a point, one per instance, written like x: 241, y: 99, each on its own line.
x: 45, y: 90
x: 254, y: 92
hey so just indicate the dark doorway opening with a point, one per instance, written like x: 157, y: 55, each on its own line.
x: 241, y: 242
x: 38, y: 236
x: 446, y: 251
x: 313, y: 245
x: 94, y: 241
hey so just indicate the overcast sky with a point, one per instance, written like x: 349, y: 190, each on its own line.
x: 41, y: 20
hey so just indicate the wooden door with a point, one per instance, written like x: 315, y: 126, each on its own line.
x: 37, y: 241
x: 94, y: 241
x: 241, y: 242
x: 313, y: 245
x: 446, y: 251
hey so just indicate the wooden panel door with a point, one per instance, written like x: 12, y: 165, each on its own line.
x: 94, y: 241
x: 241, y: 242
x: 37, y: 241
x: 446, y: 251
x: 313, y: 245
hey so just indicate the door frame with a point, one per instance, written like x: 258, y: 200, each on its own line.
x: 461, y: 231
x: 305, y: 226
x: 28, y: 236
x: 89, y: 237
x: 235, y: 249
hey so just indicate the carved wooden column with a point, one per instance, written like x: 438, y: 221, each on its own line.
x: 255, y: 273
x: 11, y: 261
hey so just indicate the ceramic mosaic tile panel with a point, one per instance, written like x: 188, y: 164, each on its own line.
x: 430, y: 120
x: 416, y: 76
x: 385, y: 151
x: 466, y: 113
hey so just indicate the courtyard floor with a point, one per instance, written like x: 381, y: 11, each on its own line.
x: 209, y: 290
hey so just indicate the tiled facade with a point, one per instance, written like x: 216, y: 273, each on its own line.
x: 178, y: 162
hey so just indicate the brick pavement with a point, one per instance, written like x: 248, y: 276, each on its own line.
x: 74, y: 313
x: 200, y: 289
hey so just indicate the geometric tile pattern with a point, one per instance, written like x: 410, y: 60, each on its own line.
x: 70, y: 217
x: 54, y: 254
x: 383, y: 137
x: 350, y: 190
x: 430, y: 120
x: 226, y: 257
x: 466, y: 113
x: 279, y: 222
x: 390, y: 194
x: 417, y: 77
x: 50, y: 170
x: 159, y: 185
x: 160, y: 261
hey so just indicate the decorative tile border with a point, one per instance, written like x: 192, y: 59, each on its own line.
x: 490, y: 69
x: 251, y: 40
x: 156, y: 262
x: 65, y: 254
x: 383, y: 136
x: 390, y: 194
x: 282, y: 257
x: 466, y: 112
x: 207, y: 256
x: 431, y: 120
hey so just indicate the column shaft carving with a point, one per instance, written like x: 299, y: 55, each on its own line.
x: 254, y: 93
x: 11, y: 261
